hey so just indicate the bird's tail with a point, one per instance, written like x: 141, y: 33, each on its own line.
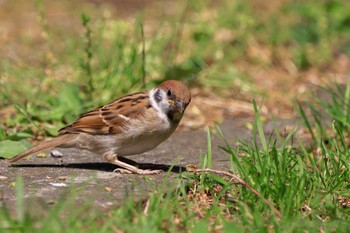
x: 60, y: 140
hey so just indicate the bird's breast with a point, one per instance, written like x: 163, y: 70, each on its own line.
x: 141, y: 144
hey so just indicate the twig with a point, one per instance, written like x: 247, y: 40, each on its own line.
x: 238, y: 181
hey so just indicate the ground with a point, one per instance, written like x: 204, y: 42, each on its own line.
x: 47, y: 178
x: 61, y: 59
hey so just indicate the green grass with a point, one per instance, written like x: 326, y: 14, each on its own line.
x: 201, y: 45
x: 74, y: 70
x: 305, y: 183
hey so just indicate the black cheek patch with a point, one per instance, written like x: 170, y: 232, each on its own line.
x: 157, y: 96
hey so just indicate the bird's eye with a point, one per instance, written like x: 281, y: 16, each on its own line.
x: 169, y: 93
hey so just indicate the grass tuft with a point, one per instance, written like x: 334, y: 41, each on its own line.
x: 216, y: 48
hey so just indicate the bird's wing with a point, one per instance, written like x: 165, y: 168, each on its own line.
x: 110, y: 118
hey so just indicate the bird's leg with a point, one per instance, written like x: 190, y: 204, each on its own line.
x: 127, y: 168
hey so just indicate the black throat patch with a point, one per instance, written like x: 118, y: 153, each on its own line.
x: 158, y: 96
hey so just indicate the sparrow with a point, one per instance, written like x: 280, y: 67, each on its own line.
x: 129, y: 125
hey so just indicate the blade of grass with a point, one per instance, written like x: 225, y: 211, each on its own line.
x: 258, y: 125
x: 20, y: 198
x: 209, y: 151
x: 306, y: 121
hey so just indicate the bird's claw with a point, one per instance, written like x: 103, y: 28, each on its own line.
x: 138, y: 171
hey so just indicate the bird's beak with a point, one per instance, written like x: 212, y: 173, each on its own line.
x: 179, y: 106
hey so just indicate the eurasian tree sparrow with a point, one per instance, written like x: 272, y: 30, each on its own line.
x: 129, y: 125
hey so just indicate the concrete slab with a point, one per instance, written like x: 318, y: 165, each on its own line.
x: 87, y: 177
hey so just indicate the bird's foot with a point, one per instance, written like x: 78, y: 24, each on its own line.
x: 138, y: 171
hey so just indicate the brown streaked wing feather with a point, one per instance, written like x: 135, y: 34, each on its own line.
x: 105, y: 119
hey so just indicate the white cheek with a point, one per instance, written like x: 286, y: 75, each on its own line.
x: 162, y: 106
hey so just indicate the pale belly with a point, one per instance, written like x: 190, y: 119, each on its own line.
x: 101, y: 144
x: 126, y: 143
x: 141, y: 144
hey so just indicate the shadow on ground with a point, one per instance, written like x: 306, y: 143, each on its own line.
x: 107, y: 167
x: 47, y: 179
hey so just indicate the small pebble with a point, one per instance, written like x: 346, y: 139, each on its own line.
x: 3, y: 178
x: 56, y: 154
x: 62, y: 178
x: 59, y: 184
x: 51, y: 202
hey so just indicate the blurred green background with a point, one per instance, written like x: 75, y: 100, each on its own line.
x: 61, y: 58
